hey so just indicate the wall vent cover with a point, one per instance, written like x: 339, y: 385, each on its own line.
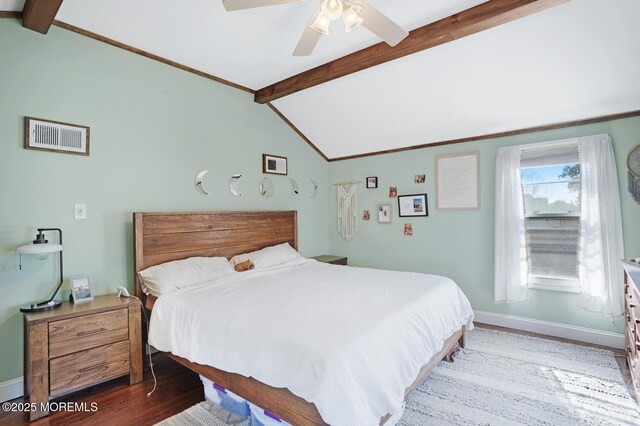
x: 54, y: 136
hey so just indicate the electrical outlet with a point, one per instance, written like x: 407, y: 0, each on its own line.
x: 79, y: 211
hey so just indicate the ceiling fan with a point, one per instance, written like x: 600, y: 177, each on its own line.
x: 353, y: 13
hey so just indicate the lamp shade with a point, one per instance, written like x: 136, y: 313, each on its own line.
x: 39, y: 248
x: 351, y: 19
x: 321, y: 24
x: 332, y: 9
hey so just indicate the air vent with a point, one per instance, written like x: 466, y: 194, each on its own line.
x: 54, y: 136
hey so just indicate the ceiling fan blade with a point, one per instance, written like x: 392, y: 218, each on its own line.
x: 379, y: 24
x: 231, y: 5
x: 308, y: 40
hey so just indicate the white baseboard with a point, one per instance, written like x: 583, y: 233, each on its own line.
x: 11, y: 389
x: 572, y: 332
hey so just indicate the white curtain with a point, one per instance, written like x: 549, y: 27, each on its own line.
x: 601, y: 245
x: 347, y: 209
x: 510, y: 244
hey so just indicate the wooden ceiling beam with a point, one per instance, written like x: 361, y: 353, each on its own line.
x: 38, y: 15
x: 479, y: 18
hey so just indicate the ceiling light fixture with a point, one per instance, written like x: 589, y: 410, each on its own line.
x: 321, y: 24
x: 351, y: 19
x: 332, y: 9
x: 353, y: 12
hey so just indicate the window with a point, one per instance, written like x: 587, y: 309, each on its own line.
x: 552, y: 224
x: 558, y: 226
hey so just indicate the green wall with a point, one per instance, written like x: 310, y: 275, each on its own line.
x: 153, y: 127
x: 460, y: 244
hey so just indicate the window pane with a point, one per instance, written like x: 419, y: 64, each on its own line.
x: 552, y: 238
x: 552, y: 245
x: 552, y: 189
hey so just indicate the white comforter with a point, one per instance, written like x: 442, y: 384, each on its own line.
x: 350, y: 340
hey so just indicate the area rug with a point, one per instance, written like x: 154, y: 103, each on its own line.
x: 502, y: 378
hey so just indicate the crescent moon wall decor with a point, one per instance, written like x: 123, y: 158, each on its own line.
x: 234, y: 185
x: 315, y: 189
x: 198, y: 182
x: 294, y: 188
x: 265, y: 187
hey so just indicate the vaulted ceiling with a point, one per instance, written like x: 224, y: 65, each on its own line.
x: 576, y: 60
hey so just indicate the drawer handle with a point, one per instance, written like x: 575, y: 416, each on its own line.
x: 104, y: 364
x: 89, y: 333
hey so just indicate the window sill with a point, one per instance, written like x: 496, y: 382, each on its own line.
x: 562, y: 284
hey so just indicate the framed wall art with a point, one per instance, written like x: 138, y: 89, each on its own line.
x: 414, y: 205
x: 372, y: 182
x: 274, y: 164
x: 458, y: 181
x: 384, y: 213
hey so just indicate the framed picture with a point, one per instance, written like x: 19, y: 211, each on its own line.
x: 458, y: 181
x: 393, y: 191
x: 413, y: 205
x: 384, y: 213
x: 419, y: 178
x: 274, y: 165
x: 366, y: 215
x: 80, y: 289
x: 372, y: 182
x: 408, y: 229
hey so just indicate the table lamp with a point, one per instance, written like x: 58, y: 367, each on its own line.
x: 41, y: 247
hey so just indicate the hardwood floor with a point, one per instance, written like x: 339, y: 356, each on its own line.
x: 120, y: 404
x: 178, y: 389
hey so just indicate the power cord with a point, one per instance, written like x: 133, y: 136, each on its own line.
x: 148, y: 348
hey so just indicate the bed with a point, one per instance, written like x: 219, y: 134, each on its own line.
x: 164, y: 237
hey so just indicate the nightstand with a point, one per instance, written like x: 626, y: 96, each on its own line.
x: 334, y: 260
x: 80, y: 345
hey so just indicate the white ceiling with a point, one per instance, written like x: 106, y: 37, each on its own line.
x: 577, y: 60
x: 250, y: 47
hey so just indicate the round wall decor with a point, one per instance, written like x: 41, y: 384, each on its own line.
x: 633, y: 173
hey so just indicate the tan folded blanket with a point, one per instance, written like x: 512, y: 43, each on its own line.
x: 244, y: 266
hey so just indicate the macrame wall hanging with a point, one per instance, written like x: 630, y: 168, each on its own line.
x: 347, y: 209
x: 633, y: 173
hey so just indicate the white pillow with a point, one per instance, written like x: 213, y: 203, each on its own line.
x: 268, y: 256
x: 167, y: 277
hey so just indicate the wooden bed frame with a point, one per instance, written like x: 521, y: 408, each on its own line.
x: 163, y: 237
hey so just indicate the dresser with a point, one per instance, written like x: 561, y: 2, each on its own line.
x: 632, y: 321
x: 80, y: 345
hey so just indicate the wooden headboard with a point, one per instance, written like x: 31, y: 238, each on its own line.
x: 163, y: 237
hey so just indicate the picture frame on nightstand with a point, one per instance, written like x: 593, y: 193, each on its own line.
x: 81, y: 289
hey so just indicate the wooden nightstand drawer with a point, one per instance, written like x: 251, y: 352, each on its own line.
x: 78, y: 370
x: 77, y: 334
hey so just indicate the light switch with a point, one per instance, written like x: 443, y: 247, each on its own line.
x: 79, y: 211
